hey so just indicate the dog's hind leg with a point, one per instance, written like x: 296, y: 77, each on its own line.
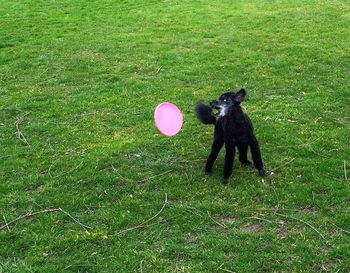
x: 229, y: 157
x: 215, y: 149
x: 243, y: 151
x: 254, y: 146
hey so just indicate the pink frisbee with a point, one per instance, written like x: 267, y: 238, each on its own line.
x: 168, y: 119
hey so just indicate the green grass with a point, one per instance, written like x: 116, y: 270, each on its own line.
x: 82, y: 76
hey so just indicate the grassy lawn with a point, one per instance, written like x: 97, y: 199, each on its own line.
x: 79, y: 81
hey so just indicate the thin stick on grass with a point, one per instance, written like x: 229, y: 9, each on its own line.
x: 159, y: 69
x: 344, y: 230
x: 345, y: 171
x: 185, y: 161
x: 6, y: 224
x: 238, y: 171
x: 141, y: 266
x: 334, y: 178
x: 30, y: 214
x: 116, y: 171
x: 19, y: 134
x: 216, y: 222
x: 142, y: 224
x: 193, y: 211
x: 278, y: 200
x: 274, y: 209
x: 223, y: 269
x: 152, y: 177
x: 67, y: 172
x: 301, y: 145
x: 282, y: 165
x: 75, y: 220
x: 49, y: 170
x: 260, y: 219
x: 302, y: 221
x: 49, y: 142
x: 177, y: 261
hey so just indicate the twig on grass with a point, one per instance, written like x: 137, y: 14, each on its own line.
x: 141, y: 266
x: 152, y: 177
x: 302, y: 221
x: 345, y: 171
x: 142, y: 224
x: 75, y: 220
x: 124, y: 178
x: 67, y: 172
x: 27, y: 215
x: 30, y: 214
x: 193, y: 211
x: 49, y: 143
x: 344, y: 230
x: 274, y: 209
x: 238, y: 171
x: 260, y: 219
x: 177, y: 261
x: 6, y: 224
x: 223, y: 269
x: 342, y: 121
x: 185, y: 161
x: 159, y: 69
x: 116, y: 171
x: 302, y: 144
x: 49, y: 170
x: 278, y: 200
x: 334, y: 178
x: 282, y: 165
x: 220, y: 224
x: 162, y: 221
x: 19, y: 134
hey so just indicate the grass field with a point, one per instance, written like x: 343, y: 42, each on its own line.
x: 79, y: 81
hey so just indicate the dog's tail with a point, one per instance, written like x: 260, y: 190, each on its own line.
x: 205, y: 114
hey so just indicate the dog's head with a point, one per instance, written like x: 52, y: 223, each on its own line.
x: 228, y: 101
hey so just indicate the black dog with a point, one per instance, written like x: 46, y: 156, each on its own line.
x: 233, y: 128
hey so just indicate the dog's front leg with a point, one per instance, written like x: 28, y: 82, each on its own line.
x: 229, y: 158
x: 215, y: 149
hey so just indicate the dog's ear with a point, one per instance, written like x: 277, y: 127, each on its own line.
x: 240, y: 95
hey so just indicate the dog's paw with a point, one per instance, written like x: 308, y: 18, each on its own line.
x: 262, y: 172
x: 224, y: 181
x: 207, y: 173
x: 247, y: 163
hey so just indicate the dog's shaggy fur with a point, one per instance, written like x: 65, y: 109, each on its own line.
x: 233, y: 128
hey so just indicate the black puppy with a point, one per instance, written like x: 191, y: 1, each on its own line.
x: 233, y: 128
